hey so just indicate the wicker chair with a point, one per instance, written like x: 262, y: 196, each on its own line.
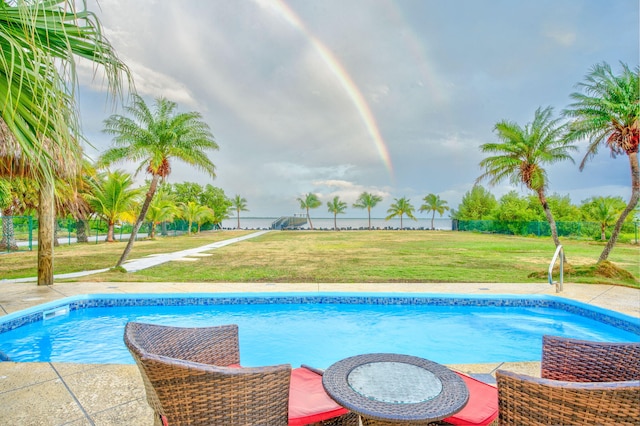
x: 584, y: 361
x: 582, y: 383
x: 192, y: 376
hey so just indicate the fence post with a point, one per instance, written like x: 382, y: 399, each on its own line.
x: 30, y: 233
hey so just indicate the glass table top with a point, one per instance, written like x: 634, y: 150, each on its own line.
x: 394, y: 382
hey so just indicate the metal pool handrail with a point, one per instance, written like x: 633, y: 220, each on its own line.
x: 559, y: 250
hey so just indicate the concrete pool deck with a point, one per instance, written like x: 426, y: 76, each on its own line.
x: 57, y: 394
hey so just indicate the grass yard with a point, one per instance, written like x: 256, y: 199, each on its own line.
x: 348, y: 256
x: 91, y: 256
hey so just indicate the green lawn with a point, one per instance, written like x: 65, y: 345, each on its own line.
x: 348, y: 256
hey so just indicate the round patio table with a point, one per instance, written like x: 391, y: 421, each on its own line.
x: 395, y: 389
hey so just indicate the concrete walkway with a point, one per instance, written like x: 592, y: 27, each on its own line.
x: 56, y: 394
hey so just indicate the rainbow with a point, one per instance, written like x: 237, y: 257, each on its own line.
x: 336, y: 68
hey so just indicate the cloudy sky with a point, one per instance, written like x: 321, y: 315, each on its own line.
x: 339, y: 97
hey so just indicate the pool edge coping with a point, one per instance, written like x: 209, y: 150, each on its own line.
x: 36, y: 313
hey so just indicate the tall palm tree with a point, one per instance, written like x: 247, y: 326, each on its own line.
x: 523, y: 151
x: 434, y: 203
x: 607, y: 111
x: 401, y: 207
x: 39, y: 126
x: 155, y: 138
x: 113, y: 199
x: 336, y: 207
x: 367, y: 201
x: 239, y: 204
x: 310, y: 201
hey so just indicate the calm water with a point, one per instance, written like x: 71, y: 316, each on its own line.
x: 347, y: 223
x: 317, y: 335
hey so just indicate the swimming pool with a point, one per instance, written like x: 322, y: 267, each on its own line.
x: 316, y: 329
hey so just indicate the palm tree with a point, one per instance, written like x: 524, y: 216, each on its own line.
x: 310, y: 201
x: 336, y: 207
x: 239, y: 204
x: 113, y: 199
x: 155, y: 138
x: 162, y: 209
x: 434, y: 204
x: 401, y: 207
x: 523, y: 151
x: 604, y: 211
x: 81, y: 187
x: 39, y: 126
x: 18, y: 196
x: 367, y: 201
x: 193, y: 212
x: 608, y: 112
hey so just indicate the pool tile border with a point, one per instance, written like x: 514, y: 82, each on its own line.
x: 36, y: 313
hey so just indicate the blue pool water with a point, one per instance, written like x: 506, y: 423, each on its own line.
x: 318, y: 334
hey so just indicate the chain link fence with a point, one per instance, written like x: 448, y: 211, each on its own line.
x: 20, y: 233
x: 577, y: 230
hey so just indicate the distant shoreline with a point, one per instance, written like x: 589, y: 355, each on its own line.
x: 344, y: 223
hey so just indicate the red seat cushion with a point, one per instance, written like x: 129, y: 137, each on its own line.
x: 308, y: 402
x: 482, y: 407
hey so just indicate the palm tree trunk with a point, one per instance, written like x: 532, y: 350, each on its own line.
x: 635, y: 196
x: 401, y: 223
x: 335, y: 223
x: 432, y: 218
x: 81, y: 231
x: 238, y: 218
x: 369, y: 212
x: 46, y: 217
x: 110, y: 230
x: 547, y: 212
x: 143, y: 213
x: 309, y: 219
x: 8, y: 241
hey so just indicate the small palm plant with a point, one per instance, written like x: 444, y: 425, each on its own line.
x: 196, y: 213
x: 239, y: 204
x: 162, y: 209
x: 605, y: 211
x: 310, y: 201
x: 434, y: 203
x: 367, y: 201
x: 113, y: 199
x: 336, y: 207
x: 401, y: 206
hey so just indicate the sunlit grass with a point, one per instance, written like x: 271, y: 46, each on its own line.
x: 353, y: 256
